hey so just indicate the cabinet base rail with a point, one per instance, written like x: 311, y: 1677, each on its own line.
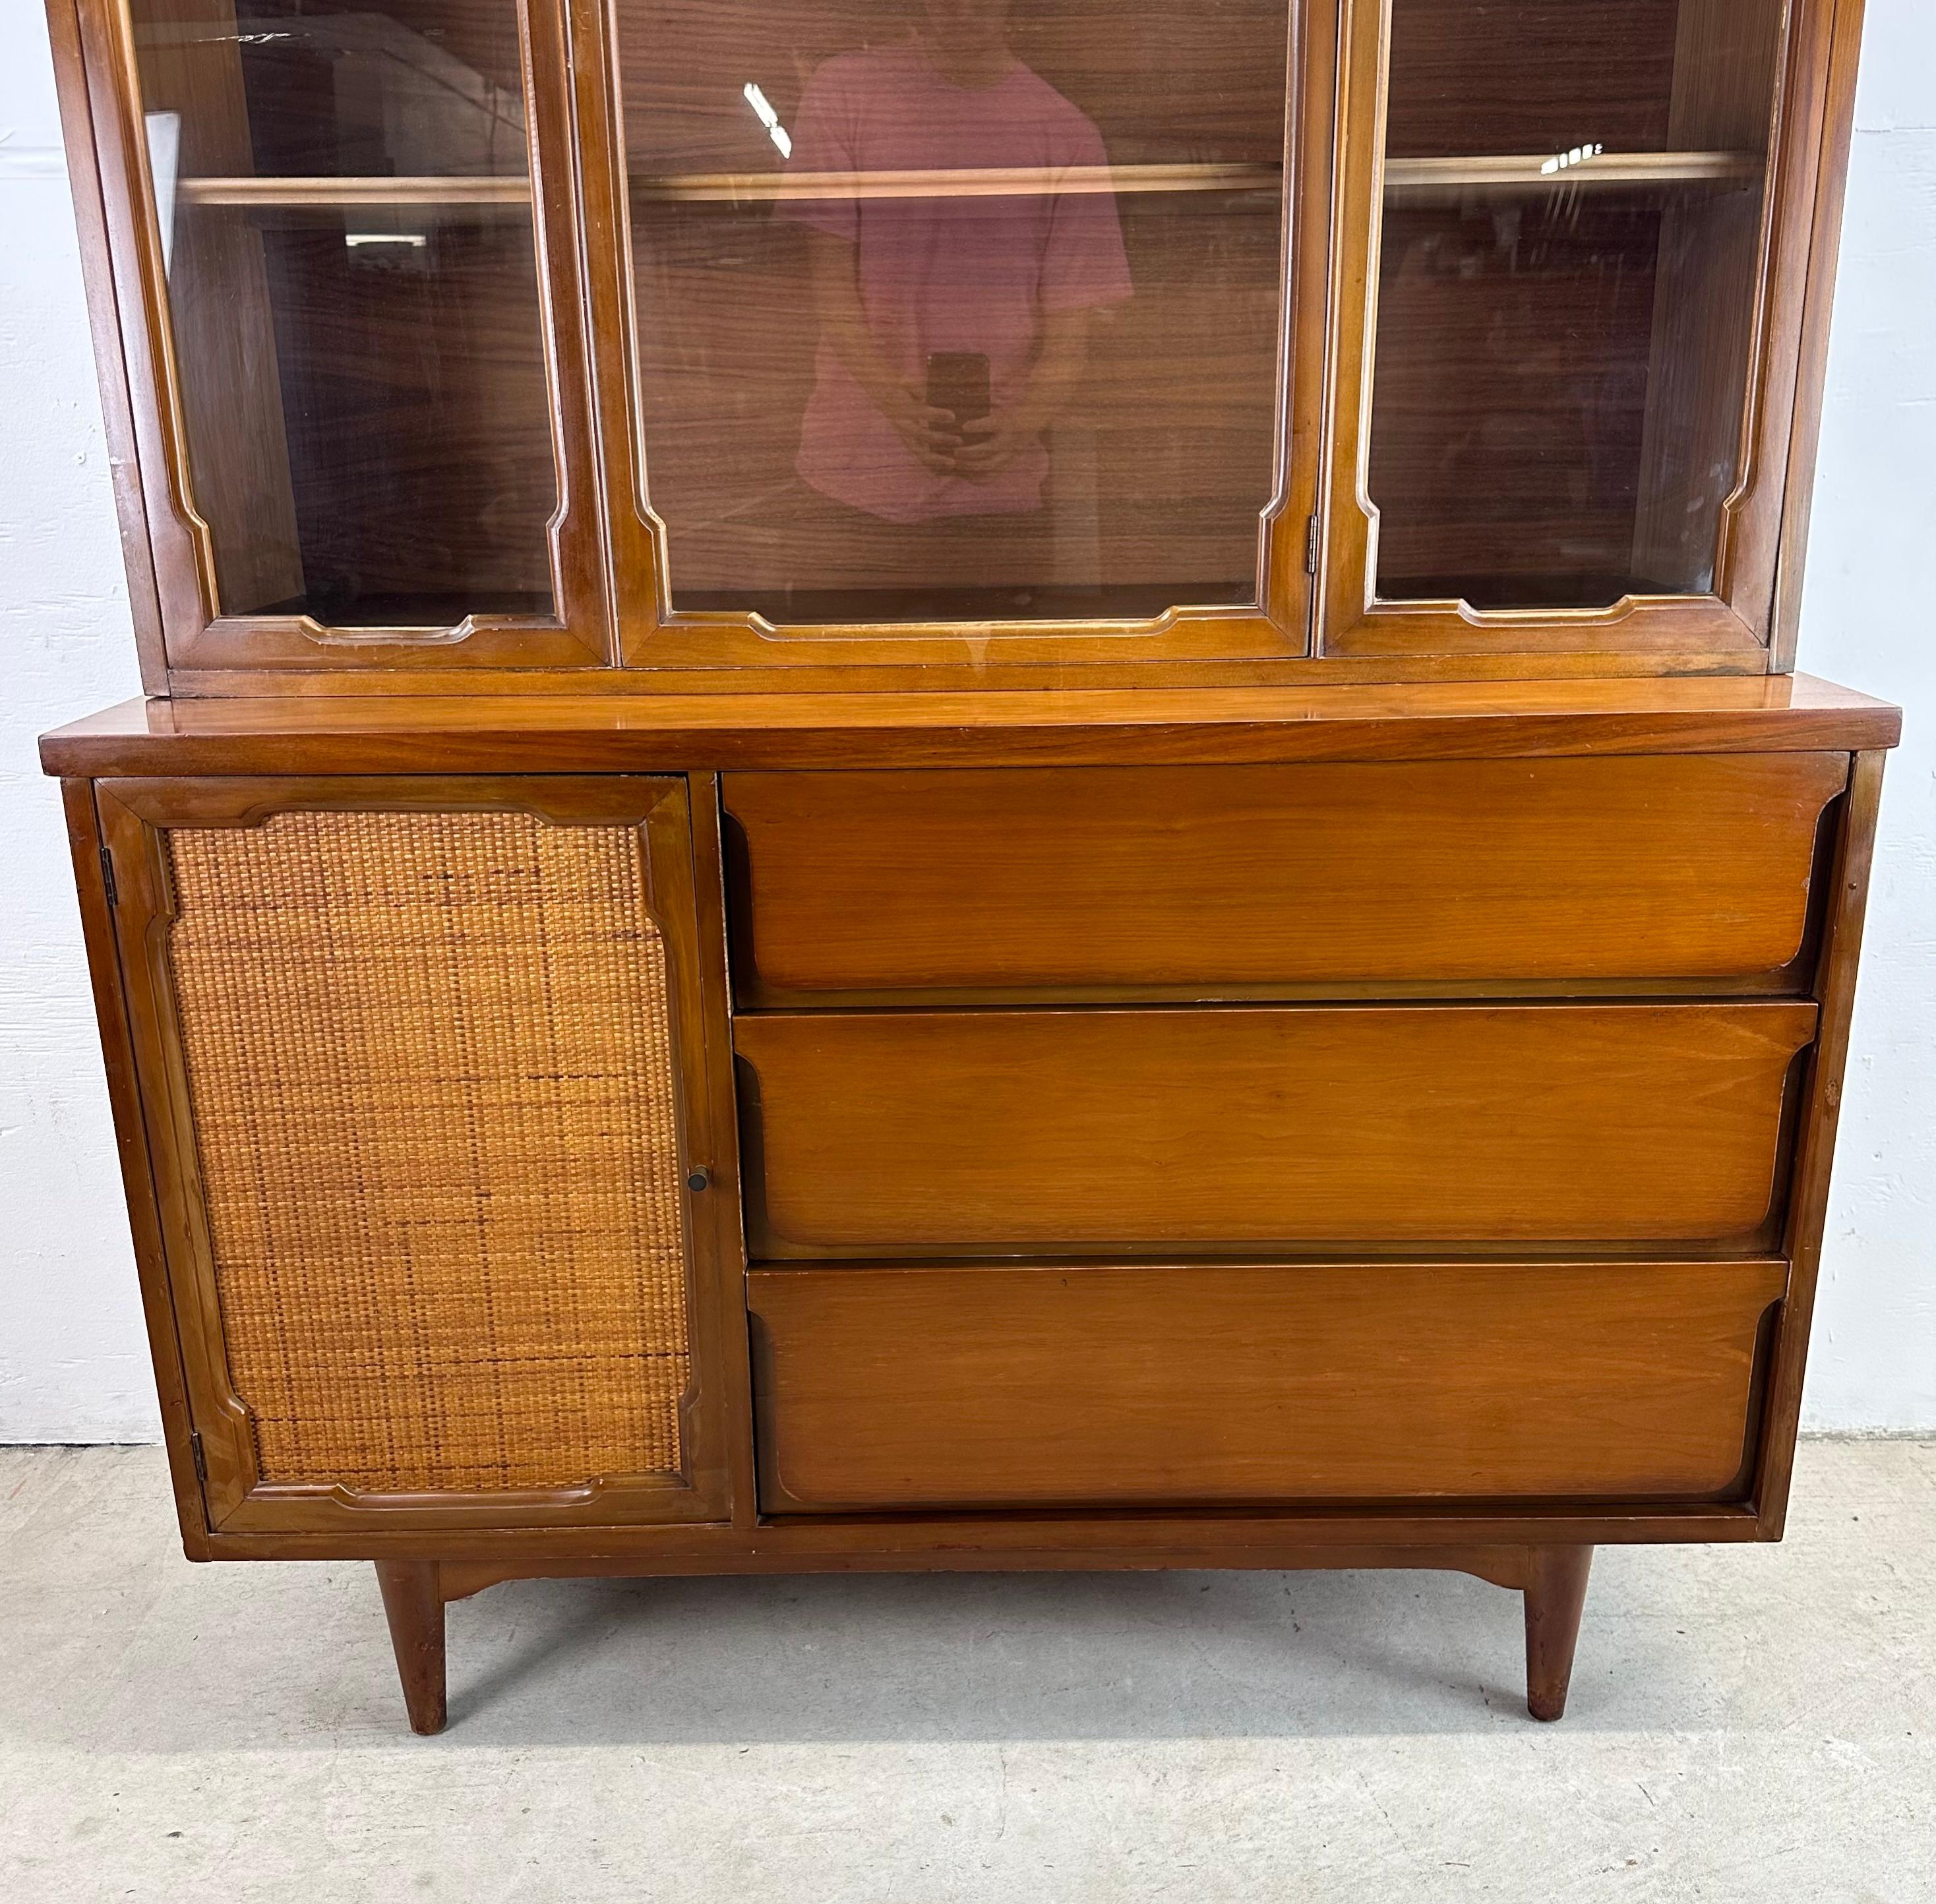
x: 1552, y: 1578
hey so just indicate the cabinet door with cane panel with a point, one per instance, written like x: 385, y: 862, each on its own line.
x: 428, y: 1069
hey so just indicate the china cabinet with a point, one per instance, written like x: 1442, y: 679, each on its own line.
x: 968, y: 783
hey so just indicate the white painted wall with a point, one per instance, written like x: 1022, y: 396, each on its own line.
x: 73, y: 1360
x: 1869, y: 620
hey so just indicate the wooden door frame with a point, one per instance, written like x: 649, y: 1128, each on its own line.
x: 179, y: 623
x: 655, y: 637
x: 1764, y: 520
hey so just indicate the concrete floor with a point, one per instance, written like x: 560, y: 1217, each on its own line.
x: 1746, y: 1724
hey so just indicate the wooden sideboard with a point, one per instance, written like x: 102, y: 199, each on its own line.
x: 1323, y: 1127
x: 968, y: 785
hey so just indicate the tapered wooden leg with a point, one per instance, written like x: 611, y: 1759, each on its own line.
x: 1556, y: 1591
x: 413, y: 1604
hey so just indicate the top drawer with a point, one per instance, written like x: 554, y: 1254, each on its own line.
x: 1240, y: 881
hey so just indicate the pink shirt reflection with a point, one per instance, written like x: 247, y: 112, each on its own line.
x: 946, y: 274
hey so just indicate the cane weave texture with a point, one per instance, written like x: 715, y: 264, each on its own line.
x: 429, y: 1057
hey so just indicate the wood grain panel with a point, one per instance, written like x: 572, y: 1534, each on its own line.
x: 1474, y: 76
x: 1388, y: 1125
x: 1034, y: 1385
x: 1159, y: 467
x: 540, y: 732
x: 1724, y: 90
x: 1649, y: 867
x: 1509, y: 399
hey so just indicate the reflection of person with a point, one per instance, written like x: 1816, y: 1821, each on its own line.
x: 895, y: 279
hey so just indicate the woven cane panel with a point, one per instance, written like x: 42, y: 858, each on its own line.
x: 430, y: 1060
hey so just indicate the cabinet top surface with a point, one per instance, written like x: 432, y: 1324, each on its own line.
x: 390, y: 734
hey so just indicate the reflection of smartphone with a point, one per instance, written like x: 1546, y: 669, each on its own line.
x: 958, y: 382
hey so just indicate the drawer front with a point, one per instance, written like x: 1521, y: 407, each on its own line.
x: 1659, y: 868
x: 1034, y: 1131
x: 928, y: 1386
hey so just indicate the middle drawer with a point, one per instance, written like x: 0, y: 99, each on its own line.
x: 1299, y: 1127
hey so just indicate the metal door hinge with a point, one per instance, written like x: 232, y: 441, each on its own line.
x: 1311, y: 547
x: 107, y: 876
x: 200, y: 1459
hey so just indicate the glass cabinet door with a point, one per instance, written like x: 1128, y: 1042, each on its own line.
x: 955, y: 309
x: 1558, y: 336
x: 342, y: 220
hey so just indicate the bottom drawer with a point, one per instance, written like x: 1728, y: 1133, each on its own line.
x: 922, y: 1386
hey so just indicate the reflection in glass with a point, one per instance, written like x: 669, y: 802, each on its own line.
x: 1571, y: 225
x: 344, y: 207
x: 962, y: 308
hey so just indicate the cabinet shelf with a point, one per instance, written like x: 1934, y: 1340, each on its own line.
x: 326, y: 194
x: 1413, y: 178
x: 1404, y: 178
x: 966, y: 181
x: 740, y: 188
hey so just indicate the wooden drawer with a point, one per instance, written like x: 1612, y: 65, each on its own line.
x: 1225, y: 879
x: 915, y: 1386
x: 1292, y: 1127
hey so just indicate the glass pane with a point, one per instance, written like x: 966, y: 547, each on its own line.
x: 1572, y: 217
x: 957, y: 308
x: 344, y: 202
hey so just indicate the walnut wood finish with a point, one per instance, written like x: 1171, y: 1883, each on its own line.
x: 425, y: 1587
x: 1725, y: 53
x: 1206, y: 880
x: 1316, y: 1128
x: 1821, y: 1111
x: 1097, y: 727
x: 1556, y: 1596
x: 1444, y: 1258
x: 1811, y: 345
x: 1066, y: 1385
x: 1614, y: 716
x: 139, y: 1162
x: 413, y: 1605
x: 1608, y: 65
